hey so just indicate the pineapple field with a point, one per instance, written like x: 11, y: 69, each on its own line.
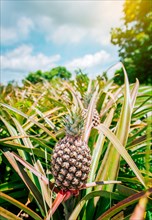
x: 76, y: 150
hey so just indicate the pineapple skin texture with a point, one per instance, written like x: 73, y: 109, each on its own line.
x: 95, y: 118
x: 71, y: 162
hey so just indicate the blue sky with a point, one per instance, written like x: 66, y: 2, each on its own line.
x: 38, y: 34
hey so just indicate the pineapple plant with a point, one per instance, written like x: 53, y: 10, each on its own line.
x: 95, y: 117
x: 28, y: 138
x: 71, y: 157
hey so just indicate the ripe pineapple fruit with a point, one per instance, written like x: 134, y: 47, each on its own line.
x: 71, y: 157
x: 95, y: 117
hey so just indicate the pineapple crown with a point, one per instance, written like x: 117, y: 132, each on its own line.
x: 86, y: 99
x: 74, y: 124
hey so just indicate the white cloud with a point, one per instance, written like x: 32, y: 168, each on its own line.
x: 25, y: 25
x: 22, y: 59
x: 65, y: 34
x: 44, y: 23
x: 83, y: 19
x: 89, y: 61
x: 20, y: 31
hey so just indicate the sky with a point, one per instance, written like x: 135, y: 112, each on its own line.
x: 40, y: 35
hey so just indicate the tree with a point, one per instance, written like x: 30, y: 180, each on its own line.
x: 35, y: 77
x: 134, y: 39
x: 60, y: 72
x: 56, y: 72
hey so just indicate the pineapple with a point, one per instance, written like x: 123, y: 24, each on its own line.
x: 71, y: 157
x: 95, y: 117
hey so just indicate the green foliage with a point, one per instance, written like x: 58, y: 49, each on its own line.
x: 32, y: 121
x: 57, y: 72
x: 134, y: 41
x: 82, y: 81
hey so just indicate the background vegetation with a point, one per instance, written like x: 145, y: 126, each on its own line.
x: 134, y: 41
x: 31, y: 122
x: 57, y: 72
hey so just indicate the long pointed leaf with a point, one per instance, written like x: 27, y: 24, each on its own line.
x: 122, y: 151
x: 123, y: 204
x: 8, y: 215
x: 91, y: 195
x: 30, y: 118
x: 30, y: 185
x: 20, y: 205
